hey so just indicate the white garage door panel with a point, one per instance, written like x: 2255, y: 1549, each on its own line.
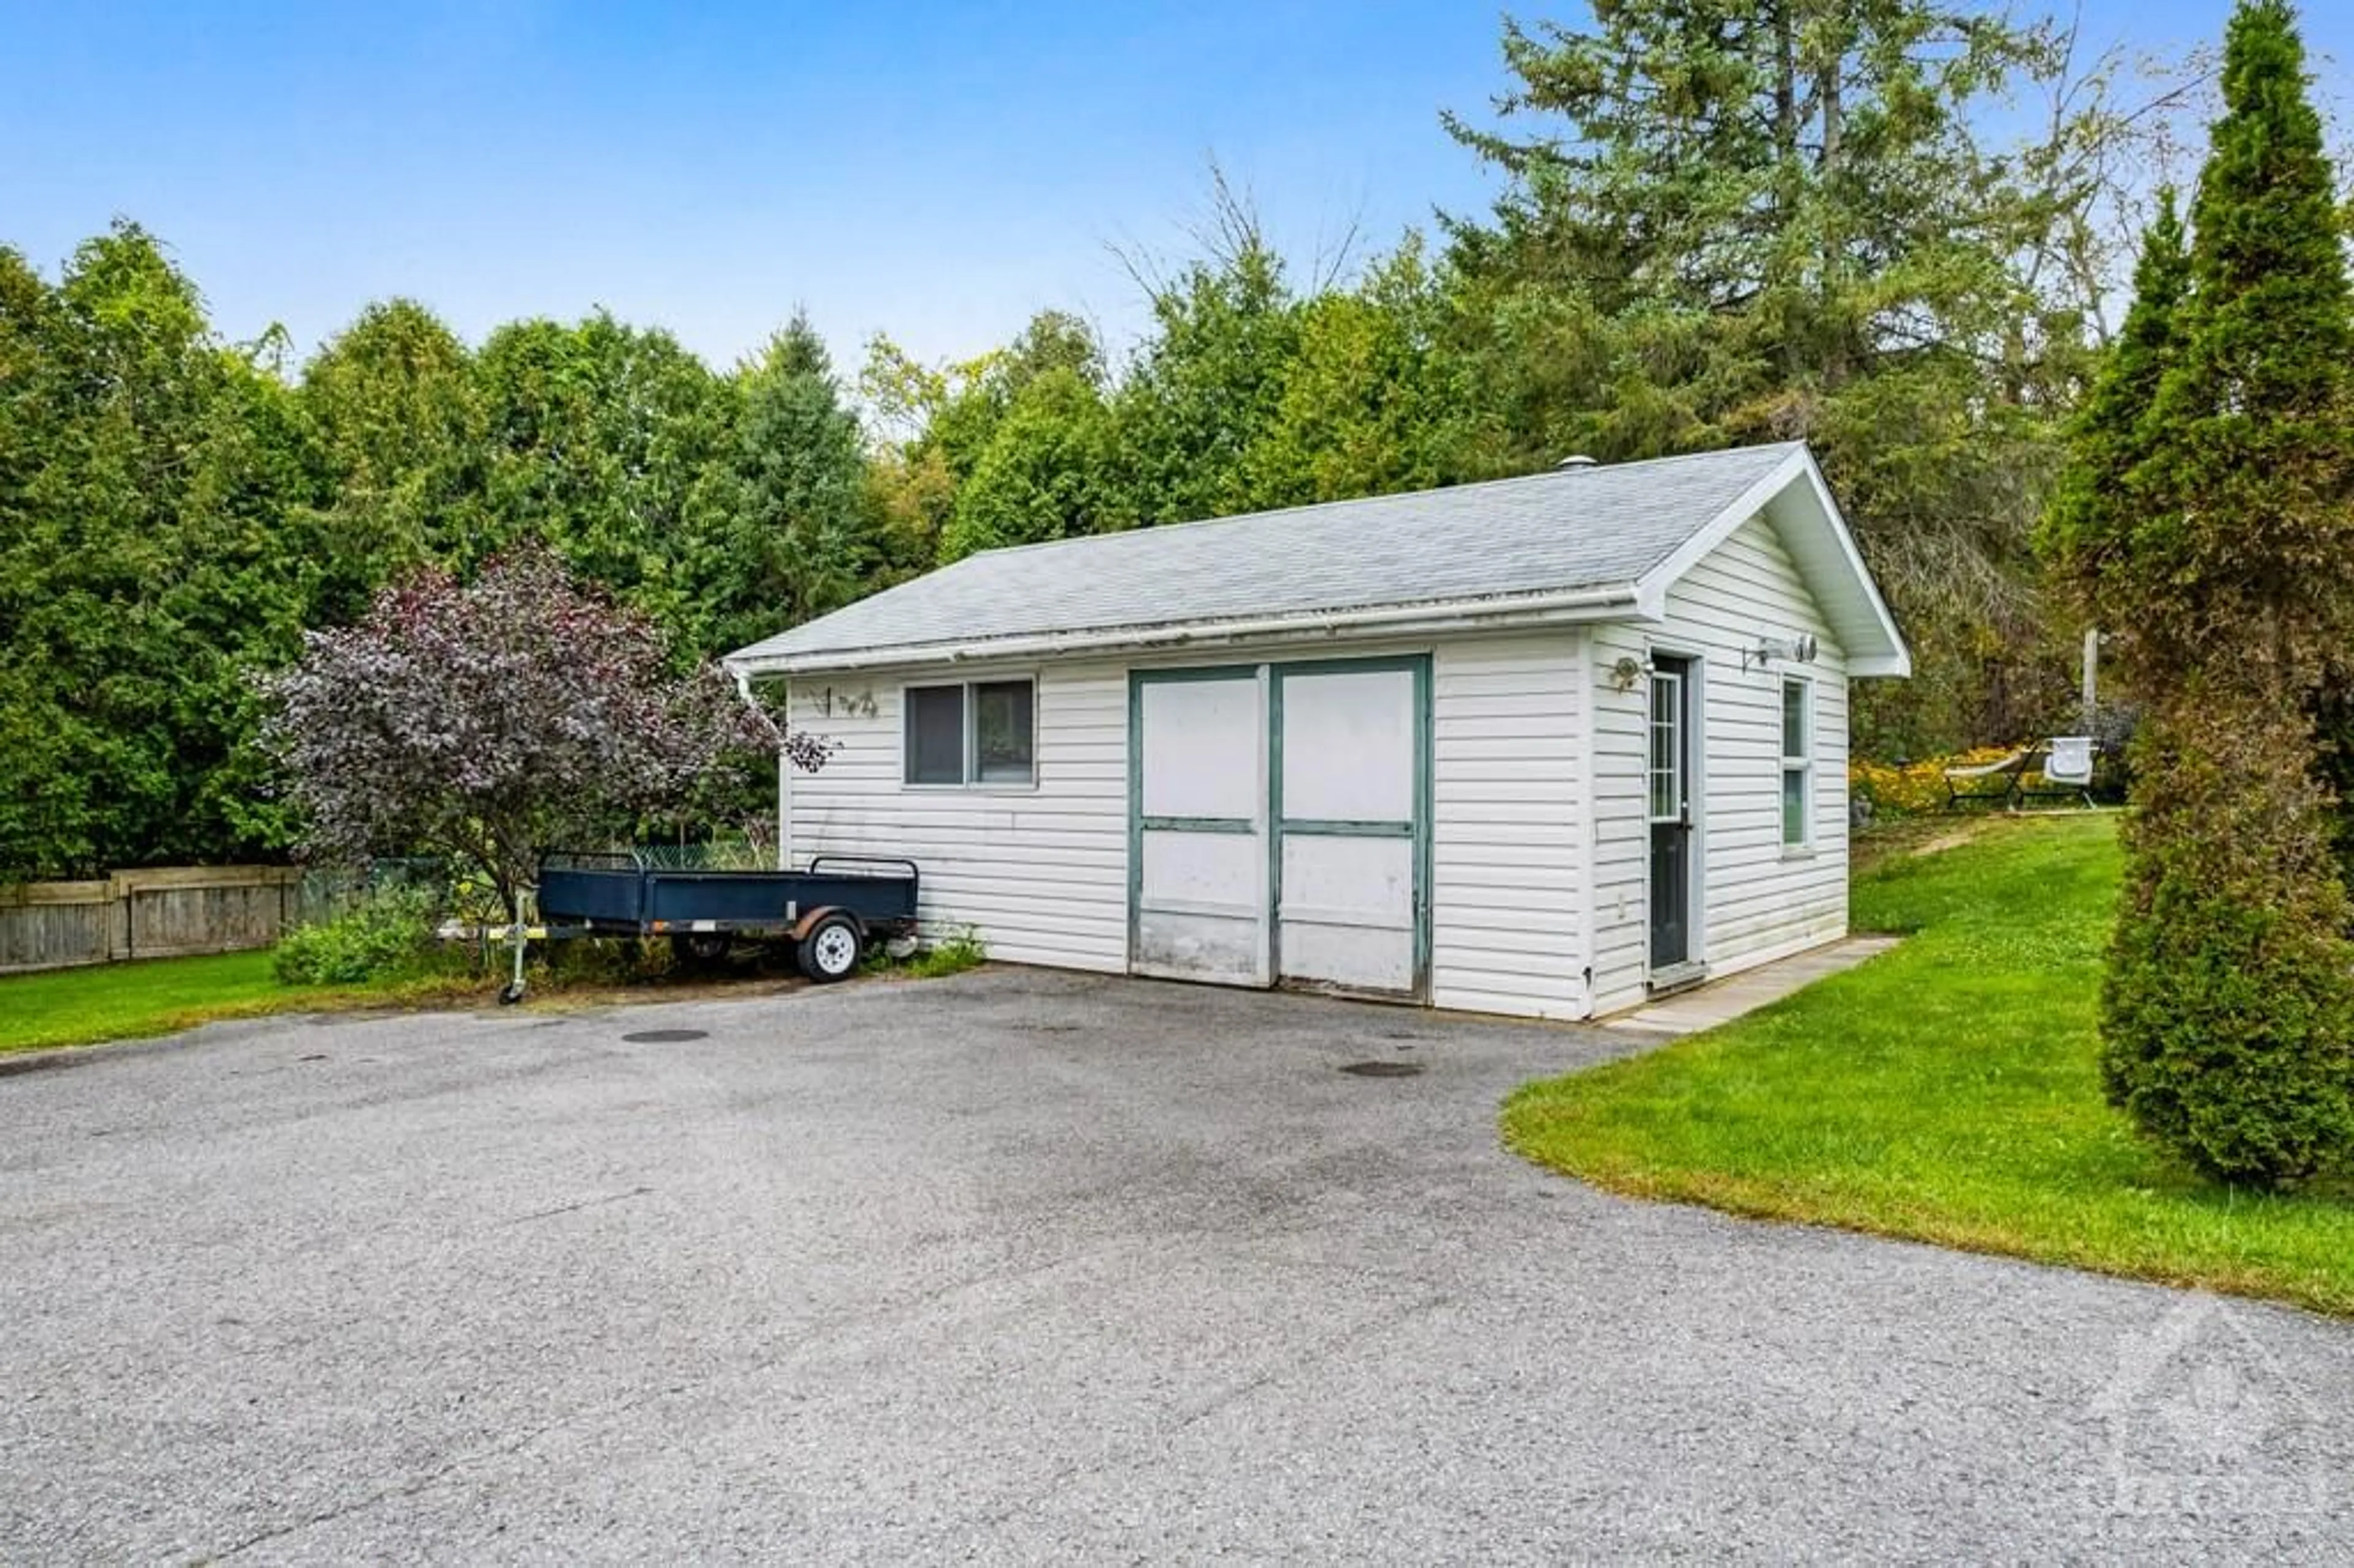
x: 1348, y: 746
x: 1206, y: 874
x: 1348, y: 911
x: 1347, y: 880
x: 1202, y: 744
x: 1202, y: 871
x: 1200, y: 946
x: 1345, y: 907
x: 1354, y: 958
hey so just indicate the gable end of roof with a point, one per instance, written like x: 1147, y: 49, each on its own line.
x: 1797, y: 501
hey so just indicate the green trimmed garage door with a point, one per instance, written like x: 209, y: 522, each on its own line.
x: 1279, y: 824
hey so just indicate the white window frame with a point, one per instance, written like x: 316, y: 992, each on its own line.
x: 970, y: 747
x: 1802, y: 764
x: 1678, y: 773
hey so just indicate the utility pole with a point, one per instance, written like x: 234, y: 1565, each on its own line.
x: 2091, y: 667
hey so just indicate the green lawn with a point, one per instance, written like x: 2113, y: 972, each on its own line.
x: 154, y: 996
x: 1947, y: 1091
x: 161, y: 996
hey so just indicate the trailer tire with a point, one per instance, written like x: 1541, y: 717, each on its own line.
x: 832, y: 949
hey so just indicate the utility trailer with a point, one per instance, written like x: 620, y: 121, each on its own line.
x: 831, y: 912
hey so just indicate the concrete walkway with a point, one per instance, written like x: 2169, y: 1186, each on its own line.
x: 1721, y: 1001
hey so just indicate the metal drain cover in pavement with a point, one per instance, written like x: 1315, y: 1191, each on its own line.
x: 1383, y: 1069
x: 665, y: 1036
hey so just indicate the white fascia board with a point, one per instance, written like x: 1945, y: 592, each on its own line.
x: 1897, y: 661
x: 1569, y: 609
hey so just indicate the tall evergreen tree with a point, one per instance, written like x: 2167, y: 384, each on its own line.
x: 395, y: 406
x: 1047, y: 472
x: 798, y: 539
x: 1015, y: 446
x: 2228, y: 1013
x: 1372, y: 403
x: 609, y: 444
x: 1208, y: 384
x: 1732, y: 222
x: 2251, y: 480
x: 2088, y: 534
x: 155, y: 486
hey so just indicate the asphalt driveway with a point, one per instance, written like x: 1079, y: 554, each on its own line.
x: 1020, y: 1266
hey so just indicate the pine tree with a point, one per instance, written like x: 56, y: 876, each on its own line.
x: 2217, y: 550
x: 1727, y: 221
x: 799, y: 542
x: 2250, y: 481
x: 2088, y: 532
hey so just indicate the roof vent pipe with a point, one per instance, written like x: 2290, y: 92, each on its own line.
x: 1576, y: 459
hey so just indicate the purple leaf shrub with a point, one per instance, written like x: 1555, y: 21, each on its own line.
x: 492, y: 721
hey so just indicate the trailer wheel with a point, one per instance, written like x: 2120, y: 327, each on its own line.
x: 832, y: 949
x: 700, y: 949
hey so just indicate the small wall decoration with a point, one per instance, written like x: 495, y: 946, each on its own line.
x: 828, y: 702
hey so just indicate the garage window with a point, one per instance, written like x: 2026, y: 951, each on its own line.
x: 977, y: 732
x: 1797, y: 765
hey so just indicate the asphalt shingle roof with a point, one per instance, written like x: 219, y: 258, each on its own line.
x: 1562, y: 531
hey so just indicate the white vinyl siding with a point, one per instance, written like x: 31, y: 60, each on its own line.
x: 1760, y: 900
x: 1507, y: 847
x: 1041, y: 874
x: 1039, y: 871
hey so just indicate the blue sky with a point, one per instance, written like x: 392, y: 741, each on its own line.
x: 936, y: 171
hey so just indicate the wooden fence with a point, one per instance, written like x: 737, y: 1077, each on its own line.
x: 159, y: 914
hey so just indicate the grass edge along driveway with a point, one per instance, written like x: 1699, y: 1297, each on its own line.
x: 1946, y: 1092
x: 93, y: 1003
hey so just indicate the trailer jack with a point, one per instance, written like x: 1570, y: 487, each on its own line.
x: 512, y: 992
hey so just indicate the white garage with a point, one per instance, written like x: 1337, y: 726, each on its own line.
x: 1546, y: 746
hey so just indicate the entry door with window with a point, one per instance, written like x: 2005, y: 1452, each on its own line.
x: 1669, y: 807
